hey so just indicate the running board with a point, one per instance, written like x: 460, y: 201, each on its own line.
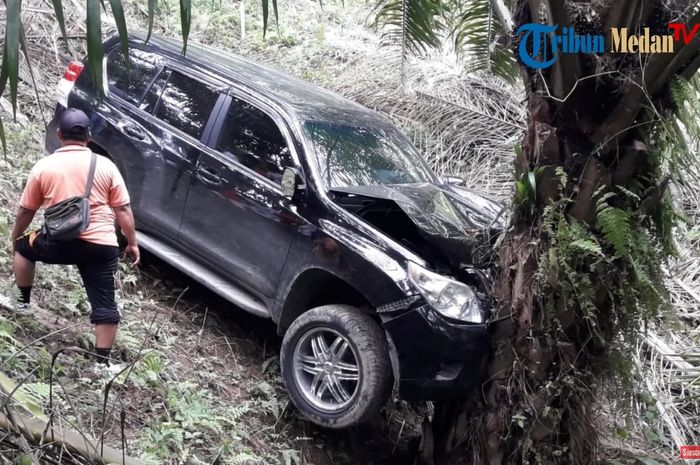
x: 207, y: 278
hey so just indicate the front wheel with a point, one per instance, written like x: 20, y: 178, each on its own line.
x: 335, y: 364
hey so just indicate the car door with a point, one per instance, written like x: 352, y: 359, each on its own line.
x: 159, y: 117
x: 180, y: 108
x: 122, y: 130
x: 236, y: 216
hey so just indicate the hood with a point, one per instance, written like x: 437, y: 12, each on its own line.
x: 458, y: 224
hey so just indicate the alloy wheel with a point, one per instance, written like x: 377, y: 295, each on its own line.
x: 326, y: 369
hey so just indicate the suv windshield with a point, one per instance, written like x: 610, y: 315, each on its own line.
x: 362, y: 156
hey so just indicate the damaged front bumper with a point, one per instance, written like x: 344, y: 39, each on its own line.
x: 434, y: 358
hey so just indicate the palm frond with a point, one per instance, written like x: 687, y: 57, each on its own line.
x: 94, y: 42
x: 186, y: 21
x: 58, y: 10
x: 151, y: 15
x: 10, y: 58
x: 412, y: 25
x: 120, y: 20
x: 671, y: 374
x: 481, y: 42
x: 469, y: 28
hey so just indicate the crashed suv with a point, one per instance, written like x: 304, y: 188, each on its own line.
x: 300, y: 206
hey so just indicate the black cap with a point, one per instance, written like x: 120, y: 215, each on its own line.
x: 74, y: 123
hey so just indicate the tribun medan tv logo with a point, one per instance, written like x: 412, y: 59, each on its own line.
x: 540, y: 44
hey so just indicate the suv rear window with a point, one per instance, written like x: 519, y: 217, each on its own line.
x: 186, y: 104
x: 253, y: 139
x: 130, y: 82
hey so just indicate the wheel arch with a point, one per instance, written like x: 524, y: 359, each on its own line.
x: 315, y: 287
x: 98, y: 149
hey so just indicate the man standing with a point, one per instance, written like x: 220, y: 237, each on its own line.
x: 62, y: 175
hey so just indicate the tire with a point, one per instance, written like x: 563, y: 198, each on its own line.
x: 363, y: 340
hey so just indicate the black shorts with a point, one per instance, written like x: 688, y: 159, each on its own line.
x: 96, y: 263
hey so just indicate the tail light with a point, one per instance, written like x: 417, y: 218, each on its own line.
x: 65, y: 85
x: 73, y: 71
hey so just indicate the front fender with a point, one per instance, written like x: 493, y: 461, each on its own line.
x: 353, y: 260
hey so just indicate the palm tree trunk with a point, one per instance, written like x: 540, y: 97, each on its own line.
x: 36, y: 430
x: 571, y: 283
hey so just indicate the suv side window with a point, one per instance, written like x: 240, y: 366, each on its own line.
x: 253, y: 139
x: 130, y: 82
x: 150, y: 100
x: 186, y: 104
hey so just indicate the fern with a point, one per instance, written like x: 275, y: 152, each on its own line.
x: 628, y: 193
x: 38, y: 392
x: 685, y: 97
x: 192, y: 407
x: 589, y: 246
x: 676, y: 140
x: 615, y: 226
x: 233, y: 413
x: 7, y: 330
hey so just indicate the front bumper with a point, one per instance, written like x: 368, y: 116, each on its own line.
x: 435, y: 358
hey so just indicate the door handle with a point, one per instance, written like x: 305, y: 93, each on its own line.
x: 208, y: 176
x: 176, y: 158
x: 135, y: 132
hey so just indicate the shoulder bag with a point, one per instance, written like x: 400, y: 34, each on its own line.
x: 66, y: 220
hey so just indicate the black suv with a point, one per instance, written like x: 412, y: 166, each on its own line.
x: 301, y: 206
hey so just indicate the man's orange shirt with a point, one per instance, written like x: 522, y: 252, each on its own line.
x: 64, y: 174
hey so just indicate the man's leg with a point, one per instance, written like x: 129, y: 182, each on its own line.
x: 98, y: 278
x: 105, y: 334
x: 24, y: 267
x: 24, y: 276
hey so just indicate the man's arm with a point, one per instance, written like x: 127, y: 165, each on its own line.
x: 31, y: 201
x: 22, y: 221
x: 125, y: 219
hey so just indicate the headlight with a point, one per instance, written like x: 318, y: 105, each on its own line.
x: 449, y: 297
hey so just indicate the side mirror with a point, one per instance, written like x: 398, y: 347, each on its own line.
x: 452, y: 180
x: 291, y: 182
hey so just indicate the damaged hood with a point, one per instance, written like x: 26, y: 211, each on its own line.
x: 458, y: 222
